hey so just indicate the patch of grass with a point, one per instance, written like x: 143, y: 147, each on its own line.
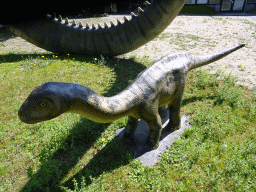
x: 2, y: 44
x: 71, y: 153
x: 185, y: 41
x: 163, y: 36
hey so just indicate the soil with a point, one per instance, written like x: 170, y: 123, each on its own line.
x: 199, y: 35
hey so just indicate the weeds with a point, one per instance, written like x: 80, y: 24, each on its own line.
x: 100, y: 62
x: 228, y: 93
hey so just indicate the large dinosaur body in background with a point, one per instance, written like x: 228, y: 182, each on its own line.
x: 160, y: 84
x: 60, y: 36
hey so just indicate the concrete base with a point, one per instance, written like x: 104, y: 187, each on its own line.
x: 150, y: 157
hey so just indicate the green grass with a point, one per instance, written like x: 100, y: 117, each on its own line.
x: 71, y: 153
x: 185, y: 42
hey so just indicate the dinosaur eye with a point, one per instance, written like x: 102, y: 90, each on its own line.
x: 42, y: 105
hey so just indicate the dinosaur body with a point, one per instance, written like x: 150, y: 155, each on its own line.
x: 160, y: 84
x: 60, y: 36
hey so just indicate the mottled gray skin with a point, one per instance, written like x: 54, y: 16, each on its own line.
x: 60, y: 36
x: 161, y: 84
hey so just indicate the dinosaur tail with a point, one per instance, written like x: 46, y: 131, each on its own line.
x: 198, y: 61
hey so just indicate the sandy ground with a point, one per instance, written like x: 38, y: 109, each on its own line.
x: 199, y: 35
x: 205, y: 35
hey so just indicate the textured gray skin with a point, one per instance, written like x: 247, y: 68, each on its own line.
x: 159, y: 85
x: 59, y: 36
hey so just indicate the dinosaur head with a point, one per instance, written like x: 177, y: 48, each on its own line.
x: 43, y: 103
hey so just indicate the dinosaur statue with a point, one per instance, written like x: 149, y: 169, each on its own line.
x: 60, y: 36
x: 160, y: 84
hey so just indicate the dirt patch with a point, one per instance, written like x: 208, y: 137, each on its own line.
x: 205, y: 35
x: 199, y: 35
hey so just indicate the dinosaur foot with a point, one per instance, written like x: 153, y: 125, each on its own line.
x: 171, y: 127
x: 151, y: 145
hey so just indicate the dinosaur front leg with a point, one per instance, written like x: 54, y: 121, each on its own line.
x: 155, y: 125
x: 130, y: 129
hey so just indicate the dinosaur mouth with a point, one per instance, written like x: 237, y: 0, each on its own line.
x: 32, y: 117
x: 25, y: 118
x: 29, y: 119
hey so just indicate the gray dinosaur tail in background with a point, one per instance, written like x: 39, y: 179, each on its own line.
x: 198, y: 61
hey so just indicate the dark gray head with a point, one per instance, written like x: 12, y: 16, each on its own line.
x: 45, y: 102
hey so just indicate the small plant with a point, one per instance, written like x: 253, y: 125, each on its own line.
x: 100, y: 62
x: 202, y: 80
x: 164, y: 36
x: 242, y: 68
x: 2, y: 44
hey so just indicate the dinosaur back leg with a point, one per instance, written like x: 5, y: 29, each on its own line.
x: 174, y: 111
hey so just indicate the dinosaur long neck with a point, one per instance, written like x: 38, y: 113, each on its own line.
x: 97, y: 108
x: 59, y: 36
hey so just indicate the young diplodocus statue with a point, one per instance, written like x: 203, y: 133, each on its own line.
x: 160, y: 84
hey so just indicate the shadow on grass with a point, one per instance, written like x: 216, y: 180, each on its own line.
x: 195, y: 99
x: 53, y: 168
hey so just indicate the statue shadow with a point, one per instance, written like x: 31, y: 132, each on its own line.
x: 81, y: 140
x: 116, y: 154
